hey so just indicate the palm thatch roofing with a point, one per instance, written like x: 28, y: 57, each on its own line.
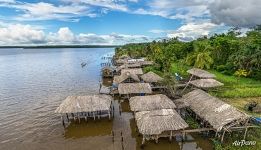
x: 151, y: 77
x: 108, y: 68
x: 146, y: 63
x: 88, y: 103
x: 137, y: 71
x: 206, y: 83
x: 134, y: 88
x: 126, y: 66
x: 151, y: 102
x: 216, y: 112
x: 200, y: 73
x: 157, y: 121
x: 123, y: 77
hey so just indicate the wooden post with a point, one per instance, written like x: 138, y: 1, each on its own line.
x: 67, y: 117
x: 157, y: 139
x: 93, y: 115
x: 245, y: 133
x: 170, y: 138
x: 187, y: 84
x: 222, y: 138
x: 109, y: 114
x: 79, y: 119
x: 184, y: 135
x: 143, y: 140
x: 216, y: 134
x: 86, y: 117
x: 61, y: 117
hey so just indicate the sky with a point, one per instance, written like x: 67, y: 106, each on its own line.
x: 116, y: 22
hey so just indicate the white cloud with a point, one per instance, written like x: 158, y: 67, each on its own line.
x: 192, y: 31
x: 18, y: 34
x: 242, y: 13
x: 157, y: 31
x: 188, y: 10
x: 22, y: 34
x: 48, y: 11
x: 7, y: 1
x: 110, y: 4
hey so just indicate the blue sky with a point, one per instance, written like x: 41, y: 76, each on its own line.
x: 120, y: 21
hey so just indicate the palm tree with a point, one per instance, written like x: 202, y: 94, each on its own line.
x: 201, y: 57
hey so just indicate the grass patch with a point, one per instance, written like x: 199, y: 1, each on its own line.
x: 237, y: 88
x: 240, y: 103
x: 254, y: 134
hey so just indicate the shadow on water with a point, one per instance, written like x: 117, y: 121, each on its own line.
x: 91, y: 128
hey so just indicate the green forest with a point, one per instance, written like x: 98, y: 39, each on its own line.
x: 230, y: 53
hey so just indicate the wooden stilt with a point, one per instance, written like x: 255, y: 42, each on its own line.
x: 67, y: 117
x: 109, y: 115
x: 143, y: 140
x: 170, y: 137
x: 245, y: 133
x: 98, y: 114
x: 79, y: 119
x: 184, y: 136
x: 157, y: 139
x: 86, y: 117
x: 222, y: 138
x: 216, y: 134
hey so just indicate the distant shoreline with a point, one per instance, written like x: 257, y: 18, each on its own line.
x: 63, y: 46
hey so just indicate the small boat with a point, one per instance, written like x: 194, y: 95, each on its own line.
x: 83, y: 64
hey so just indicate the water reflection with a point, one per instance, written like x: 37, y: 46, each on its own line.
x: 99, y: 127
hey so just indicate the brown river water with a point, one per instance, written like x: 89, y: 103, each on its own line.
x: 33, y: 83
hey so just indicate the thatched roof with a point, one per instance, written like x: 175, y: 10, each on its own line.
x: 206, y: 83
x: 157, y: 121
x: 151, y: 77
x: 146, y: 63
x: 216, y: 112
x: 125, y: 76
x: 151, y: 102
x: 134, y: 88
x: 200, y: 73
x: 108, y: 68
x: 126, y: 66
x: 137, y: 71
x: 89, y: 103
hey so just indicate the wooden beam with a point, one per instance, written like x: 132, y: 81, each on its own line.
x: 198, y: 130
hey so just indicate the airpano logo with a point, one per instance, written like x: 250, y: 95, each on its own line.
x: 244, y: 143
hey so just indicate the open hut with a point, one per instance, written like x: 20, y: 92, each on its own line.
x: 151, y: 102
x: 195, y: 72
x: 134, y: 89
x: 146, y: 63
x: 85, y: 106
x: 137, y: 71
x: 126, y: 77
x: 107, y: 71
x: 126, y: 66
x: 153, y: 79
x: 206, y: 83
x: 159, y: 123
x: 214, y: 112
